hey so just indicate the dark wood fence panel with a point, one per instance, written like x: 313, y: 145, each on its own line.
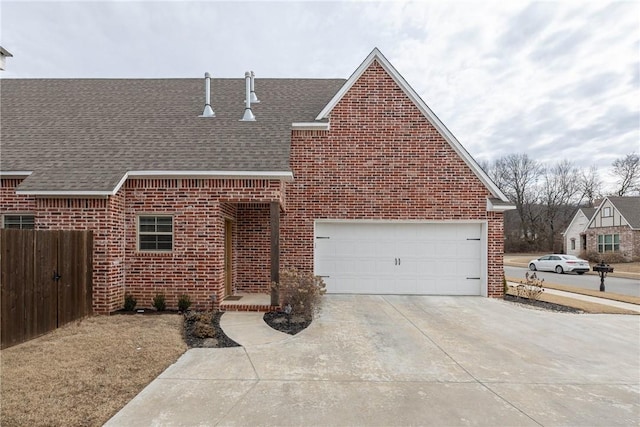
x: 75, y: 256
x: 15, y: 299
x: 46, y: 281
x: 43, y: 317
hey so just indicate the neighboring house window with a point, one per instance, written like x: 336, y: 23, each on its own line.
x: 606, y: 212
x: 608, y: 242
x: 573, y: 244
x: 155, y: 233
x: 19, y: 221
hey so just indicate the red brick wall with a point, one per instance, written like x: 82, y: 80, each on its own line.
x: 196, y: 264
x: 11, y: 202
x: 381, y: 159
x: 103, y: 216
x: 254, y: 249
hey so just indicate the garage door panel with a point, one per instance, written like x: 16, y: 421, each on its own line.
x: 399, y: 258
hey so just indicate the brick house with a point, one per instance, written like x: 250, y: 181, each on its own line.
x: 356, y: 180
x: 615, y: 227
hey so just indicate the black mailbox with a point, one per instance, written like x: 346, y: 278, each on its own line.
x: 602, y: 269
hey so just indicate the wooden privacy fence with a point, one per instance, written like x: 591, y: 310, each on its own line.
x: 46, y: 281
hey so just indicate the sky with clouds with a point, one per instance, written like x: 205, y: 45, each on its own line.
x: 555, y: 80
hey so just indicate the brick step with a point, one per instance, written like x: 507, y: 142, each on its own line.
x: 249, y: 307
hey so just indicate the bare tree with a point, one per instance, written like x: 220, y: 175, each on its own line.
x: 590, y: 185
x: 627, y: 172
x: 559, y: 192
x: 517, y: 176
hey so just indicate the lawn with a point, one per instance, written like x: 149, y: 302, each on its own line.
x: 85, y: 372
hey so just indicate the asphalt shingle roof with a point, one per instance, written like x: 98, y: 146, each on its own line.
x: 588, y: 212
x: 629, y: 207
x: 85, y: 134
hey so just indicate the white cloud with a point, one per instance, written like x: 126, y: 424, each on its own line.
x: 555, y: 80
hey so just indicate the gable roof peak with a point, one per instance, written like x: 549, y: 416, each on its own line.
x: 627, y: 206
x: 376, y: 55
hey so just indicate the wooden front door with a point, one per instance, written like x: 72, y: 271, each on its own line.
x: 228, y: 257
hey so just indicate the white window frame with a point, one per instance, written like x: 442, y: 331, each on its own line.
x: 573, y: 244
x: 612, y: 246
x: 606, y: 212
x: 21, y: 222
x: 139, y: 232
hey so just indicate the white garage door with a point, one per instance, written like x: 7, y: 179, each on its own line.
x: 399, y: 258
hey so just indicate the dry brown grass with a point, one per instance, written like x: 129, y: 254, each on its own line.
x: 83, y: 373
x: 574, y: 289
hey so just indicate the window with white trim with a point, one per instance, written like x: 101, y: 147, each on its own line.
x: 608, y: 242
x: 606, y: 212
x: 155, y: 233
x: 22, y: 222
x: 573, y: 244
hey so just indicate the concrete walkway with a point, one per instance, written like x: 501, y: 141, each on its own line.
x: 407, y: 360
x: 248, y: 329
x: 603, y: 301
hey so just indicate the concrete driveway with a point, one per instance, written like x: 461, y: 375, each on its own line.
x: 410, y: 360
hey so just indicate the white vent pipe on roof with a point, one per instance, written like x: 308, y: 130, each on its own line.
x: 254, y: 97
x: 248, y: 114
x: 208, y: 111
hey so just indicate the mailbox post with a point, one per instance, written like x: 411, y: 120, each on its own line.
x: 602, y: 269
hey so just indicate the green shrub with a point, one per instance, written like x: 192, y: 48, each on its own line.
x: 129, y: 302
x: 184, y: 302
x: 160, y: 302
x: 302, y: 290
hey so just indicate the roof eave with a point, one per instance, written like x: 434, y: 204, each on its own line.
x: 310, y: 126
x: 499, y: 205
x: 170, y: 174
x: 14, y: 174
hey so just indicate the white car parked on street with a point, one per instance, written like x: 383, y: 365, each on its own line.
x: 560, y: 264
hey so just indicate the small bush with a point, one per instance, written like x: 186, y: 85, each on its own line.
x: 614, y: 258
x: 302, y: 290
x: 184, y: 302
x: 160, y: 302
x: 129, y: 302
x: 505, y: 286
x: 531, y: 288
x: 202, y: 324
x: 606, y: 257
x: 204, y: 330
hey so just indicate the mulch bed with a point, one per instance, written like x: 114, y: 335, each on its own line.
x: 542, y: 304
x: 282, y: 322
x: 202, y: 330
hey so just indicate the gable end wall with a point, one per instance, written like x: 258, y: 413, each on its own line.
x: 380, y: 160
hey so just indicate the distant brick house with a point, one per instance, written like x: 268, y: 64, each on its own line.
x: 355, y: 180
x: 615, y: 228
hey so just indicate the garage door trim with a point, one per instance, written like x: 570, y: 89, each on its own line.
x: 483, y: 256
